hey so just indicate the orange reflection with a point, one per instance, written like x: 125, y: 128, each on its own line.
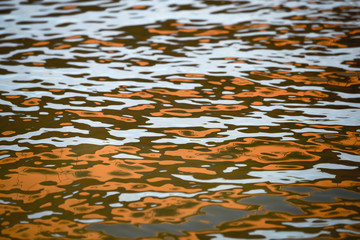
x: 254, y: 149
x: 52, y: 225
x: 93, y: 114
x: 179, y: 93
x: 279, y: 167
x: 130, y: 95
x: 139, y: 7
x: 193, y: 133
x: 348, y: 142
x: 168, y: 210
x: 79, y: 206
x: 32, y: 102
x: 346, y: 78
x: 105, y: 43
x: 6, y: 133
x: 42, y: 43
x: 186, y: 112
x: 212, y: 33
x: 241, y: 81
x: 63, y: 46
x: 196, y: 170
x: 274, y: 92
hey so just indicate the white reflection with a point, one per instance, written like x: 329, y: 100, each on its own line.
x: 133, y: 197
x: 333, y: 166
x: 283, y: 176
x: 272, y: 234
x: 41, y: 214
x: 320, y: 222
x: 348, y: 157
x: 91, y: 123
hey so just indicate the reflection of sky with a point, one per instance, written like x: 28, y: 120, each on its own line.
x: 133, y: 197
x: 209, y: 57
x: 284, y: 144
x: 283, y: 176
x: 210, y: 217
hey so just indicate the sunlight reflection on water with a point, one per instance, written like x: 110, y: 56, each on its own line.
x: 162, y: 119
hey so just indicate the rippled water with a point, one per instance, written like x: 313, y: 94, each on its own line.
x: 192, y: 119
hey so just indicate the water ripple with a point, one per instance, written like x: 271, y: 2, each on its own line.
x: 161, y: 119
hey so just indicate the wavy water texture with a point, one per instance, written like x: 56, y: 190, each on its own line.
x: 164, y: 119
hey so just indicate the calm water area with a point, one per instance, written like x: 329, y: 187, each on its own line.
x: 179, y: 120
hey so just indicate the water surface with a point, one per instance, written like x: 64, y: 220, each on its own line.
x: 164, y: 119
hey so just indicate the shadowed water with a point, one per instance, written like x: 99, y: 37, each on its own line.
x: 192, y: 119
